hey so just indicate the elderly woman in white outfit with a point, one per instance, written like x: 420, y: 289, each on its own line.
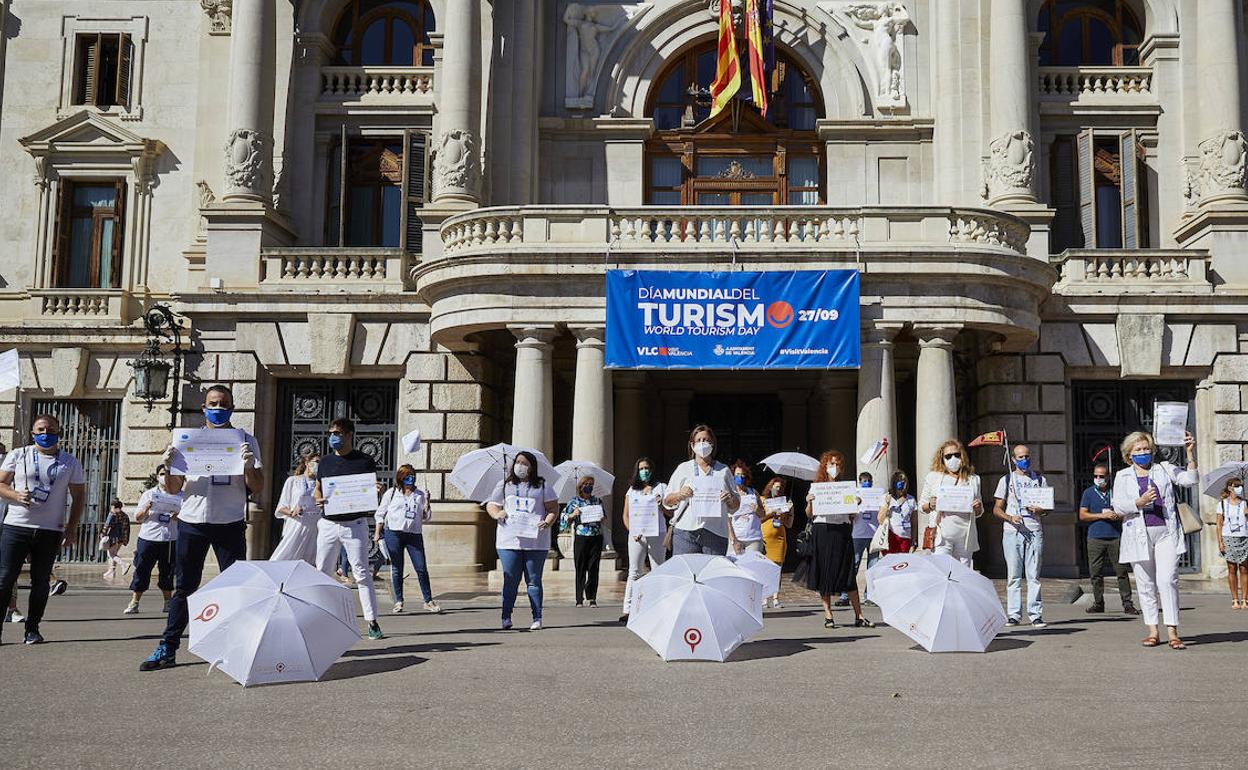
x: 298, y: 507
x: 1152, y: 534
x: 956, y: 533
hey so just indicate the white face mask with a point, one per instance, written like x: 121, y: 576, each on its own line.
x: 1237, y: 490
x: 775, y: 489
x: 833, y: 470
x: 953, y: 464
x: 703, y: 449
x: 312, y: 468
x: 1100, y: 483
x: 521, y: 471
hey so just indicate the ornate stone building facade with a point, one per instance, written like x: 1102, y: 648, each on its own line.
x: 403, y: 211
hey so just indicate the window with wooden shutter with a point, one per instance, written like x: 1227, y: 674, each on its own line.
x: 90, y: 229
x: 125, y: 57
x: 103, y: 69
x: 1087, y: 188
x: 413, y: 190
x: 1064, y: 195
x: 60, y: 228
x: 1127, y: 152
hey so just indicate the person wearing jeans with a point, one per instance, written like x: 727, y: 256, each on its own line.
x: 694, y: 533
x: 37, y: 482
x: 1022, y: 538
x: 643, y: 547
x: 525, y: 507
x: 1104, y: 538
x: 157, y: 541
x: 403, y: 511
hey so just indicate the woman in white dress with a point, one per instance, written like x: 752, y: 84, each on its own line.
x: 297, y: 505
x: 955, y: 531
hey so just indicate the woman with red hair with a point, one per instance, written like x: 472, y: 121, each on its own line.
x: 829, y: 568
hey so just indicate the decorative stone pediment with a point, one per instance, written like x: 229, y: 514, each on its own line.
x: 85, y: 138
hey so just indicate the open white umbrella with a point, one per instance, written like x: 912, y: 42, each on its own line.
x: 477, y: 473
x: 572, y: 471
x: 793, y: 464
x: 1215, y: 480
x: 682, y: 618
x: 936, y: 601
x: 762, y: 569
x: 718, y: 573
x: 272, y: 621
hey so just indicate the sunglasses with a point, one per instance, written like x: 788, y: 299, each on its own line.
x: 1101, y: 476
x: 951, y: 456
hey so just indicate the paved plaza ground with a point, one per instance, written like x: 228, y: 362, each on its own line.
x: 452, y: 691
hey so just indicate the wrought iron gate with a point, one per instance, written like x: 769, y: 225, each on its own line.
x: 90, y: 431
x: 1105, y: 411
x: 305, y: 409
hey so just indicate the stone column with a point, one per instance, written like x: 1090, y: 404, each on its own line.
x: 947, y: 132
x: 457, y: 147
x: 877, y: 401
x: 249, y: 146
x: 936, y: 407
x: 837, y: 395
x: 1011, y: 166
x: 592, y: 407
x: 532, y: 425
x: 1223, y: 150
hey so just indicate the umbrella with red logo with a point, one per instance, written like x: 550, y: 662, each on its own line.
x: 936, y: 601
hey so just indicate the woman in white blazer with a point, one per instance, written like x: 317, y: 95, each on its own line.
x: 1152, y: 534
x: 956, y: 533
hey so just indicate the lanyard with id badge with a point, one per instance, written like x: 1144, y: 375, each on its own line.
x: 38, y: 492
x: 411, y: 507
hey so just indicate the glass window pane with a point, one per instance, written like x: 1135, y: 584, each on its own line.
x: 803, y: 197
x: 373, y: 44
x: 665, y: 171
x: 802, y: 118
x: 78, y: 274
x: 391, y: 216
x: 756, y: 199
x: 803, y: 172
x: 795, y: 90
x: 1070, y: 45
x: 1108, y: 217
x: 666, y: 118
x: 665, y: 197
x: 706, y: 68
x: 106, y: 254
x: 402, y: 44
x: 362, y: 206
x: 713, y: 199
x: 95, y: 196
x: 1100, y: 44
x: 670, y: 90
x: 738, y: 167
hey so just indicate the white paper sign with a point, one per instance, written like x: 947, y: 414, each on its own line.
x: 1169, y: 422
x: 354, y: 493
x: 749, y: 504
x: 522, y: 519
x: 411, y: 442
x: 10, y: 370
x: 164, y: 506
x: 705, y: 502
x: 591, y: 514
x: 207, y: 452
x: 834, y: 497
x: 643, y: 516
x: 1037, y: 497
x: 955, y: 499
x: 872, y: 498
x: 775, y: 504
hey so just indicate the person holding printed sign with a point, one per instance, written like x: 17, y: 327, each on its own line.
x: 777, y: 519
x: 157, y: 517
x: 1152, y: 533
x: 403, y: 511
x: 298, y: 508
x: 214, y: 507
x: 747, y: 523
x: 703, y: 495
x: 583, y: 514
x: 525, y: 507
x: 951, y: 497
x: 37, y: 482
x: 1023, y: 496
x: 870, y: 498
x: 832, y: 505
x: 645, y: 518
x: 349, y: 502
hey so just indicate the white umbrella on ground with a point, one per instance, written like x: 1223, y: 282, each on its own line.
x: 936, y: 601
x: 477, y: 473
x: 762, y: 569
x: 1215, y: 480
x: 682, y: 618
x: 793, y: 464
x: 572, y: 471
x: 272, y: 621
x: 719, y: 573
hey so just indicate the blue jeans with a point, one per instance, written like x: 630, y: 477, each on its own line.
x: 516, y: 562
x: 228, y: 542
x: 1023, y: 553
x: 414, y: 544
x: 698, y: 541
x: 861, y: 546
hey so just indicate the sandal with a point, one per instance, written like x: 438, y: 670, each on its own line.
x: 829, y: 623
x: 863, y: 623
x: 1151, y: 641
x: 1177, y: 644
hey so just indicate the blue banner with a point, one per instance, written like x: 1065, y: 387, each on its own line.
x: 806, y: 319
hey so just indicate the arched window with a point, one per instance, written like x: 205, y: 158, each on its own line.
x: 740, y: 158
x: 1102, y: 33
x: 385, y: 33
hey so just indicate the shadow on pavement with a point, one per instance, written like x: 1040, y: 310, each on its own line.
x: 1025, y: 631
x: 792, y: 613
x: 149, y: 637
x: 350, y: 669
x: 414, y: 648
x: 1227, y: 636
x: 1002, y: 644
x: 783, y: 648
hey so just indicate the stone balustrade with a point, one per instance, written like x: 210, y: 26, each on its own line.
x: 383, y: 83
x: 337, y: 268
x: 1075, y: 83
x: 1131, y: 270
x: 92, y: 305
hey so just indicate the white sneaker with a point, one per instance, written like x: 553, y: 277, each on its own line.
x: 537, y: 626
x: 432, y: 606
x: 775, y: 603
x: 16, y: 617
x: 131, y: 609
x: 398, y: 608
x: 126, y: 569
x: 1038, y: 623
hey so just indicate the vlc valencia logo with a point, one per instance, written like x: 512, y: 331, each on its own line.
x: 779, y: 314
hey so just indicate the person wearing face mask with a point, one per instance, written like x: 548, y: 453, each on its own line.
x: 776, y: 525
x: 213, y: 516
x: 955, y: 531
x: 897, y: 513
x: 586, y: 541
x: 747, y: 523
x: 830, y: 569
x: 1022, y: 538
x: 116, y: 529
x: 694, y: 534
x: 864, y: 531
x: 1104, y: 536
x: 402, y: 514
x: 37, y: 481
x: 1152, y: 533
x: 525, y: 492
x: 1233, y: 541
x: 158, y: 534
x: 642, y: 547
x: 346, y: 531
x: 298, y: 509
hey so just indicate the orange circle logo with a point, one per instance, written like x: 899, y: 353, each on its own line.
x: 779, y: 314
x: 208, y: 613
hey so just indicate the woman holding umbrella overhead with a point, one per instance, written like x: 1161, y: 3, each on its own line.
x: 955, y: 530
x: 830, y: 568
x: 776, y: 524
x: 1152, y: 534
x: 525, y: 507
x: 1233, y: 541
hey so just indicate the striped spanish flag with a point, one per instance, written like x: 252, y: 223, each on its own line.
x: 758, y: 68
x: 728, y: 65
x: 992, y: 438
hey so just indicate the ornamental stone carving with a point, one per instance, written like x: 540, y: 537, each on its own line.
x: 884, y: 24
x: 591, y: 30
x: 1223, y: 163
x: 456, y: 164
x: 244, y: 161
x: 218, y: 15
x: 1011, y: 165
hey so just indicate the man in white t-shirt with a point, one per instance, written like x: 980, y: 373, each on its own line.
x: 213, y: 515
x: 1022, y: 538
x: 38, y: 481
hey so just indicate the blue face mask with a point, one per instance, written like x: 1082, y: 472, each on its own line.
x: 739, y: 478
x: 217, y: 416
x: 46, y: 440
x: 900, y: 485
x: 1023, y: 463
x: 1143, y: 459
x: 335, y: 442
x: 409, y: 481
x: 866, y: 485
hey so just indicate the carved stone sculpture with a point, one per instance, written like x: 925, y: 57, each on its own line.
x: 244, y: 161
x: 1223, y: 163
x: 591, y: 29
x: 884, y: 23
x: 218, y: 15
x: 1011, y: 163
x: 204, y: 198
x: 456, y: 164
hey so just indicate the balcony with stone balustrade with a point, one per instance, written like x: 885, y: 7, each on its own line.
x: 376, y: 87
x: 1078, y: 90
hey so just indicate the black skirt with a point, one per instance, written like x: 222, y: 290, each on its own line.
x: 831, y: 566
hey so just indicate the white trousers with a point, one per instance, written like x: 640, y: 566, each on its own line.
x: 651, y: 547
x: 1157, y: 579
x: 954, y: 550
x: 353, y: 536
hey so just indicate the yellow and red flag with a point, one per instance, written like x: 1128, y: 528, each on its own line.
x: 727, y: 64
x: 758, y: 66
x: 992, y: 438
